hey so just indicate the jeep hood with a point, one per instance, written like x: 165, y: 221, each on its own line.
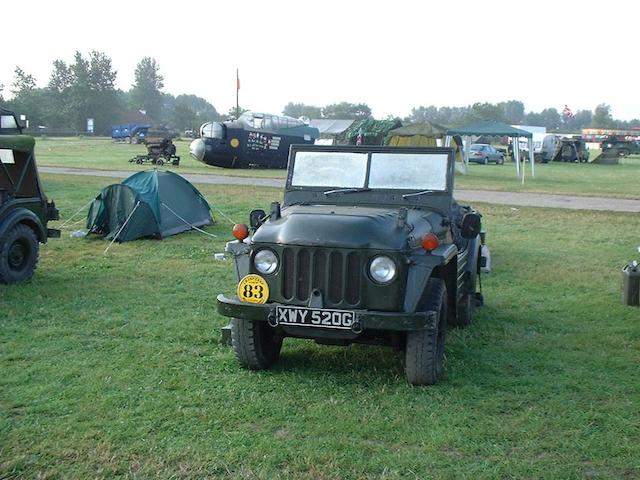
x: 345, y: 227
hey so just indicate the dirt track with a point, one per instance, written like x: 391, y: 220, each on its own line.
x: 486, y: 196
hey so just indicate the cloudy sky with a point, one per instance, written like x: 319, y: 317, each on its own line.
x: 391, y: 55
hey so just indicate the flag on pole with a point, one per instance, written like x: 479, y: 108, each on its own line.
x: 566, y: 112
x: 237, y: 80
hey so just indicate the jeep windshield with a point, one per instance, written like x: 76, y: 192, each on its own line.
x: 350, y: 172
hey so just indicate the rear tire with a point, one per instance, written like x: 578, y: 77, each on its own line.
x: 256, y: 344
x: 424, y: 356
x: 18, y: 254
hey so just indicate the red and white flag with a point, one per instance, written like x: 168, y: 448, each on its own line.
x: 566, y: 112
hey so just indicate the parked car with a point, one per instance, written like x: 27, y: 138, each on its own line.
x: 368, y: 247
x: 483, y: 153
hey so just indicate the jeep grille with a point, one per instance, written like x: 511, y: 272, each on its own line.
x: 337, y: 274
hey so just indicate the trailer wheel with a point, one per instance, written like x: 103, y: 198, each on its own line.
x: 18, y: 254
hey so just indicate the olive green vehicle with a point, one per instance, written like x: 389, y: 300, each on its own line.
x: 24, y: 209
x: 369, y: 246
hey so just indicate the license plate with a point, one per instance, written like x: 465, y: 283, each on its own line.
x: 315, y: 317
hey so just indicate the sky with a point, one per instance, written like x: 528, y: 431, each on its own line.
x: 392, y: 56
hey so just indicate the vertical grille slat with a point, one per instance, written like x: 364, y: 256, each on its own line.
x: 303, y: 272
x: 319, y: 270
x: 288, y: 276
x: 352, y: 278
x: 336, y: 277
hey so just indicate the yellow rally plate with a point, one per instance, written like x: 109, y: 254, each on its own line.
x: 253, y: 289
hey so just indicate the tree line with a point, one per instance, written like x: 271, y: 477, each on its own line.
x: 511, y: 112
x: 85, y: 88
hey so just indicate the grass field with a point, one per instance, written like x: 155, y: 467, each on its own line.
x: 112, y: 366
x: 574, y: 179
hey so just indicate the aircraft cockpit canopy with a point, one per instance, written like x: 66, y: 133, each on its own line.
x: 212, y: 130
x: 264, y: 121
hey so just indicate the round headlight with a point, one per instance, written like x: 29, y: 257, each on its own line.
x: 382, y: 269
x: 265, y: 261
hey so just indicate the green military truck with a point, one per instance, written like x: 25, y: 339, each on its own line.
x: 24, y: 209
x: 369, y: 246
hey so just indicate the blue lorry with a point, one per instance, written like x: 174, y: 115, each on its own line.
x: 130, y: 132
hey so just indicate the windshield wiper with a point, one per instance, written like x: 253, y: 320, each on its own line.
x: 415, y: 194
x: 347, y: 190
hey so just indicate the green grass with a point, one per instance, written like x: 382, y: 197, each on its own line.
x: 105, y: 154
x: 112, y: 366
x: 573, y: 179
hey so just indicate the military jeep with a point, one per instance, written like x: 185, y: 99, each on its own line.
x: 369, y: 246
x: 24, y: 209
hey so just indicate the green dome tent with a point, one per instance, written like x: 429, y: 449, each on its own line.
x: 148, y: 204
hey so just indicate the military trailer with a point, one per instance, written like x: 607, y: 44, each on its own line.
x: 369, y: 246
x: 24, y: 209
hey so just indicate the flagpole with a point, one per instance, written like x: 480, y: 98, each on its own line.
x: 237, y: 93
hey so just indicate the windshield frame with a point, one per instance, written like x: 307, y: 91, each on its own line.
x: 295, y: 194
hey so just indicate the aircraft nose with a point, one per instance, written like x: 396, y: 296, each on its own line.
x: 197, y: 148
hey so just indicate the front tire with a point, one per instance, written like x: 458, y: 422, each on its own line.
x: 18, y: 254
x: 256, y: 344
x: 424, y: 356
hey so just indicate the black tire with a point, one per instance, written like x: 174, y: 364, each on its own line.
x: 256, y: 344
x: 466, y: 307
x: 424, y: 355
x: 486, y: 160
x: 18, y: 254
x: 500, y: 161
x: 467, y: 304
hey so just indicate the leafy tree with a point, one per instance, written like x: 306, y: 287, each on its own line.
x: 512, y: 112
x: 346, y: 110
x: 1, y: 90
x: 61, y: 78
x: 297, y: 110
x: 191, y: 111
x: 27, y: 99
x: 146, y: 91
x: 234, y: 113
x: 551, y: 118
x: 486, y: 111
x: 602, y: 117
x: 23, y: 83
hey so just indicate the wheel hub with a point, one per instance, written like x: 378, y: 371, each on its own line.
x: 17, y: 255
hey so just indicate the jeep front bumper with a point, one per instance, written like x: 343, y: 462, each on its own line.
x: 365, y: 319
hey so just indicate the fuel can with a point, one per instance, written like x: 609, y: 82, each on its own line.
x: 631, y: 284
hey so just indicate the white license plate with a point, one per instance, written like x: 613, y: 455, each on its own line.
x: 315, y: 317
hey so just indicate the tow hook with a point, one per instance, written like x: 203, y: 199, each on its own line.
x: 356, y: 327
x: 272, y: 319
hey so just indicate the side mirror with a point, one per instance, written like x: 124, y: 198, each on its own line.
x: 256, y: 217
x: 471, y: 225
